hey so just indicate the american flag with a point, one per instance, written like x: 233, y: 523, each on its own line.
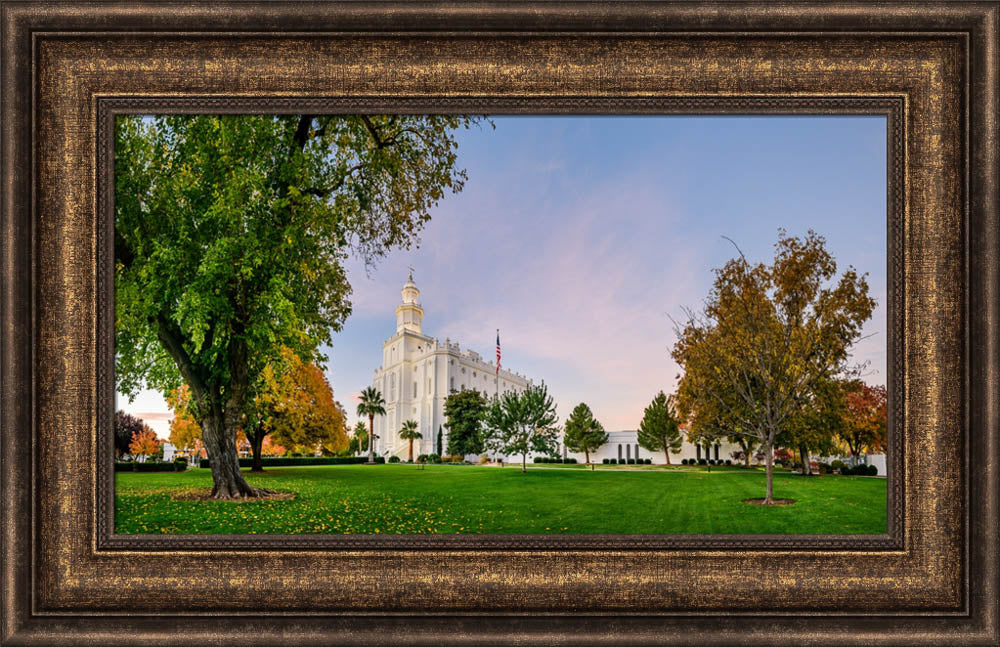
x: 498, y: 351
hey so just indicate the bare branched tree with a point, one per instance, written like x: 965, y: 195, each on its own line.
x: 766, y: 337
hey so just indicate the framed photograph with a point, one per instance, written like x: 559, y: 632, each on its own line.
x: 526, y: 322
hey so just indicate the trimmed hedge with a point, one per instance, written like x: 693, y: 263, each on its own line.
x: 151, y: 466
x: 282, y: 461
x: 860, y: 470
x: 394, y: 459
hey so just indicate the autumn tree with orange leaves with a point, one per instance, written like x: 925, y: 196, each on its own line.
x: 866, y: 420
x: 185, y: 433
x: 295, y: 407
x: 144, y: 443
x: 294, y: 404
x: 271, y: 448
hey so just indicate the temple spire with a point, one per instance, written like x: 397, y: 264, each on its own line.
x: 409, y: 314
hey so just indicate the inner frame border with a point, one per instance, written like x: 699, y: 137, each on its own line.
x: 891, y: 106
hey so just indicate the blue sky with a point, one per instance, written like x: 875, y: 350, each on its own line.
x: 579, y: 237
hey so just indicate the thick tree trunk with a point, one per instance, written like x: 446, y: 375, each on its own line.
x: 257, y: 446
x: 220, y: 444
x: 804, y: 454
x: 371, y: 438
x: 769, y: 458
x: 411, y: 450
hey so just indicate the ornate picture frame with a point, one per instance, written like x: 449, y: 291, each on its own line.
x: 931, y: 69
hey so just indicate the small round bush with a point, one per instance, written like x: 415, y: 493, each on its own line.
x: 394, y: 459
x: 605, y: 461
x: 703, y: 461
x: 433, y: 458
x: 872, y: 470
x: 422, y: 458
x: 649, y: 461
x: 684, y: 461
x: 729, y: 462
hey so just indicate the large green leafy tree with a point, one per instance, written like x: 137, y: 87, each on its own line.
x: 583, y: 433
x: 659, y: 430
x: 519, y: 423
x: 465, y: 411
x: 230, y: 234
x: 769, y: 335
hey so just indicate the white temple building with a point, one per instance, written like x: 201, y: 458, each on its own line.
x: 419, y: 371
x: 417, y: 374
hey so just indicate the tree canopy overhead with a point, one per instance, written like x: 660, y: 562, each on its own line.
x: 769, y: 337
x: 230, y: 237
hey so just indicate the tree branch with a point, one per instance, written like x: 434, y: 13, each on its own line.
x: 171, y: 339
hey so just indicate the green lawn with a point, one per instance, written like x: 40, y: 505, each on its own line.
x: 467, y: 499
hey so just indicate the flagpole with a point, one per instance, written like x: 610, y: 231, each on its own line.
x: 498, y: 380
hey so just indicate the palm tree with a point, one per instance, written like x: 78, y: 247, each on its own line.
x: 409, y: 432
x: 371, y: 404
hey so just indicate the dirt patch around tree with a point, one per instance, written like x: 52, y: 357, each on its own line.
x: 205, y: 494
x: 773, y: 501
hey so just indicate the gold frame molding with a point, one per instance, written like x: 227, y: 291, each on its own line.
x: 931, y: 68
